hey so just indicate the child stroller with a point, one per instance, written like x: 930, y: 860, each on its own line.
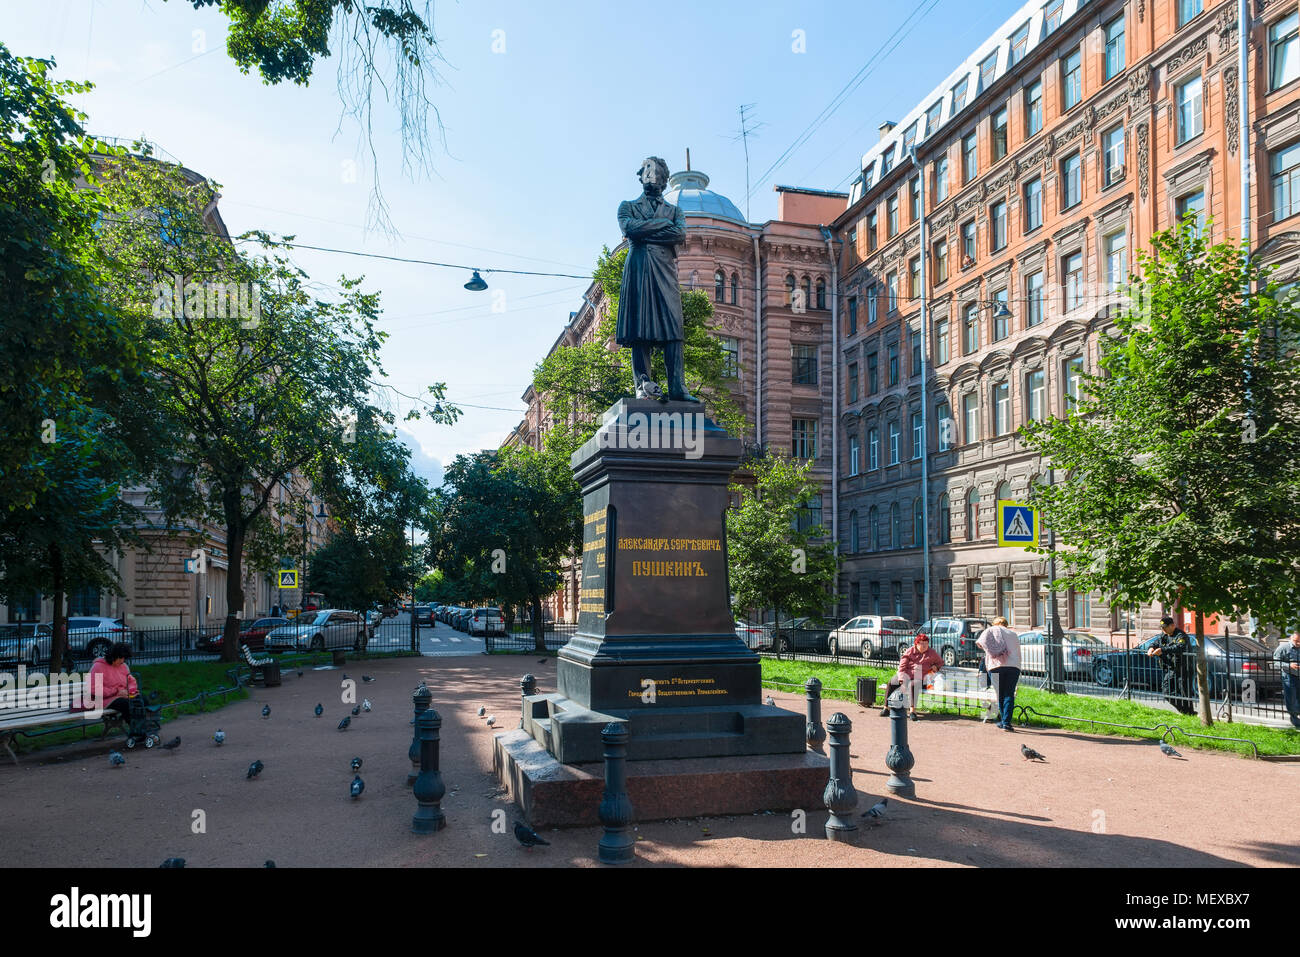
x: 142, y: 722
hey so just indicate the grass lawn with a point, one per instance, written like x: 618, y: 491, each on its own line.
x: 839, y: 681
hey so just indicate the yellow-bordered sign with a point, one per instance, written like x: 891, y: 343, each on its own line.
x: 1017, y: 524
x: 288, y: 577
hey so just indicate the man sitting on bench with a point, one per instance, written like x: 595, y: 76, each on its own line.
x: 118, y: 684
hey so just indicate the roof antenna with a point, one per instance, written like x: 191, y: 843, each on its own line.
x: 688, y: 159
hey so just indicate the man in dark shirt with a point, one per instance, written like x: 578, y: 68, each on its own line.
x: 1173, y: 648
x: 1287, y: 657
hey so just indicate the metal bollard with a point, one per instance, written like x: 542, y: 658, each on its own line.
x: 429, y: 788
x: 899, y: 758
x: 814, y: 732
x: 840, y: 796
x: 617, y: 844
x: 527, y: 687
x: 423, y: 699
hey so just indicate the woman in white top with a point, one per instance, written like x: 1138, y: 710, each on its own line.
x: 1001, y: 650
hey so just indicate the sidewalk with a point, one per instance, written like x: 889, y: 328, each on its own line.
x: 1098, y: 802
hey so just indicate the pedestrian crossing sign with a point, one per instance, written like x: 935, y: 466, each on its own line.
x: 288, y: 577
x: 1017, y: 523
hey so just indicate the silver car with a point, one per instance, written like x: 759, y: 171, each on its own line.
x: 319, y: 630
x: 28, y: 644
x: 485, y: 621
x: 870, y: 635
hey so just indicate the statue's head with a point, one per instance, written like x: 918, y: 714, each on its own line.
x: 653, y: 174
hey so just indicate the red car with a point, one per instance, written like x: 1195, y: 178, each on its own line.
x: 252, y: 634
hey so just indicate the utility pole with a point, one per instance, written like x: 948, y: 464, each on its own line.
x: 1055, y: 663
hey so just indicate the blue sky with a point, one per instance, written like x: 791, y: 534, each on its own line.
x: 542, y: 141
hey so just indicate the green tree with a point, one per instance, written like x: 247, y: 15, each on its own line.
x: 774, y: 556
x: 1181, y: 461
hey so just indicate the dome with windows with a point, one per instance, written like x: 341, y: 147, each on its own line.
x: 690, y: 191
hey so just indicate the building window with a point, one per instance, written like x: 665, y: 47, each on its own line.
x: 1116, y: 246
x: 1034, y: 298
x: 807, y: 293
x: 804, y: 438
x: 972, y: 515
x: 932, y: 118
x: 875, y: 598
x: 891, y: 216
x: 25, y: 608
x: 1193, y: 205
x: 941, y: 342
x: 853, y: 382
x: 1001, y: 408
x: 1019, y: 44
x: 1033, y: 204
x: 959, y: 96
x: 968, y: 244
x: 988, y: 71
x: 1006, y: 605
x: 853, y: 315
x: 1052, y: 16
x: 915, y: 335
x: 1114, y: 47
x: 803, y: 363
x: 810, y: 515
x: 893, y: 443
x: 970, y: 329
x: 917, y: 431
x: 898, y: 598
x: 941, y: 179
x: 943, y: 415
x: 1283, y: 55
x: 945, y: 596
x: 1188, y: 98
x: 854, y: 457
x: 970, y: 412
x: 1072, y: 270
x: 1073, y: 378
x: 1033, y: 108
x: 719, y: 286
x: 853, y: 547
x: 735, y: 289
x: 892, y: 352
x: 790, y: 286
x: 944, y: 531
x: 895, y: 528
x: 1000, y: 316
x: 1285, y: 165
x: 909, y: 139
x: 914, y: 198
x: 821, y: 293
x: 871, y: 231
x: 1080, y: 610
x: 1036, y: 396
x: 83, y: 601
x: 998, y: 222
x: 999, y: 134
x: 1071, y: 80
x: 886, y: 162
x: 730, y: 357
x: 914, y: 278
x: 873, y: 450
x: 1112, y: 151
x: 872, y: 295
x: 941, y: 261
x: 1071, y: 181
x: 968, y: 158
x: 1188, y: 9
x: 891, y: 288
x: 1040, y: 603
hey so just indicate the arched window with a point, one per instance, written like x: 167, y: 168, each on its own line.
x: 1004, y: 491
x: 789, y: 289
x: 735, y: 289
x: 719, y: 286
x: 895, y: 527
x: 853, y: 531
x: 695, y: 276
x: 821, y: 293
x: 873, y: 529
x: 918, y: 523
x: 945, y: 520
x: 807, y: 292
x: 972, y: 515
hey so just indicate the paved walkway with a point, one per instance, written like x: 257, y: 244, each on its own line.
x: 1100, y: 802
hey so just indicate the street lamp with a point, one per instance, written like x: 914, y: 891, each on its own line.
x: 476, y: 284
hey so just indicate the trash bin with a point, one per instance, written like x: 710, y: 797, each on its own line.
x: 866, y: 691
x: 339, y: 658
x: 271, y: 675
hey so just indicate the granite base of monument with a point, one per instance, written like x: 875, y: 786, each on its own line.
x: 553, y: 794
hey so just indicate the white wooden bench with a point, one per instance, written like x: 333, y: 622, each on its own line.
x: 265, y: 669
x: 50, y: 706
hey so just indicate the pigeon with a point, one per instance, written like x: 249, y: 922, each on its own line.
x: 367, y: 678
x: 173, y: 862
x: 1030, y: 754
x: 269, y: 864
x: 358, y: 786
x: 365, y: 704
x: 356, y: 764
x: 1168, y: 751
x: 254, y: 770
x: 356, y: 711
x: 319, y: 710
x: 877, y: 810
x: 173, y: 744
x: 116, y: 758
x: 541, y: 661
x: 482, y: 712
x: 492, y: 719
x: 346, y: 678
x: 266, y: 711
x: 347, y: 720
x: 219, y: 737
x: 769, y: 701
x: 528, y: 837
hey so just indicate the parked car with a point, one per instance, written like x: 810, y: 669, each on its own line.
x: 954, y: 638
x: 253, y: 634
x: 871, y: 635
x: 27, y: 644
x: 423, y: 615
x: 316, y: 631
x: 460, y: 618
x: 800, y: 634
x: 752, y: 635
x: 1248, y: 660
x: 486, y: 621
x: 1078, y: 652
x: 91, y: 636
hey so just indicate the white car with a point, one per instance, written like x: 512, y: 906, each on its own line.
x: 319, y: 630
x: 485, y: 621
x: 752, y: 635
x: 870, y: 635
x: 28, y: 644
x: 1078, y: 651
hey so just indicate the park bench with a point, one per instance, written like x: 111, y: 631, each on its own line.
x: 265, y: 669
x: 49, y: 707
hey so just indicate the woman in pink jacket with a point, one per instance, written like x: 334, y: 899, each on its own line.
x: 915, y: 665
x: 1001, y: 647
x: 109, y: 682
